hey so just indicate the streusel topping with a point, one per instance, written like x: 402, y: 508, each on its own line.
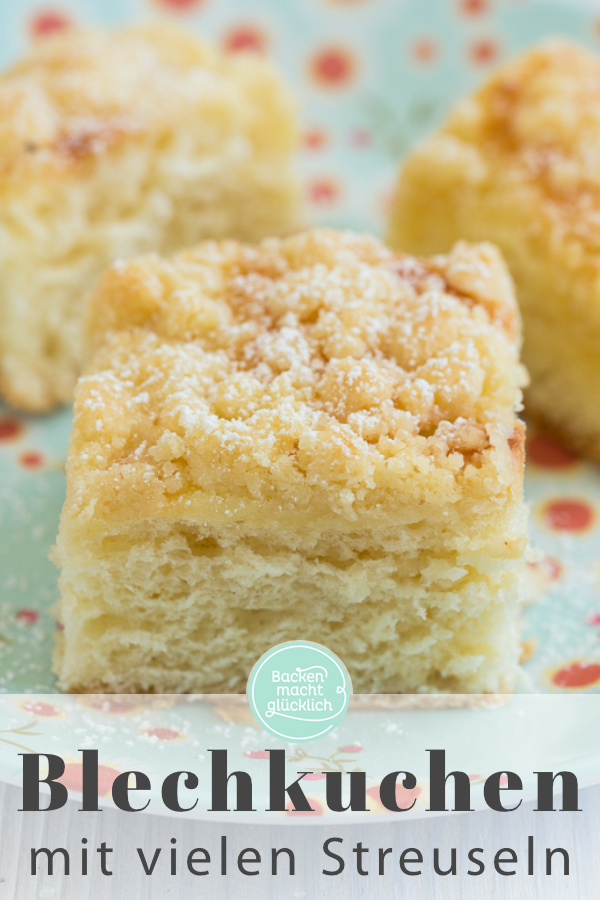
x: 324, y: 359
x: 75, y: 95
x: 537, y: 124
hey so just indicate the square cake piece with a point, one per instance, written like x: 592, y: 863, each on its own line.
x: 117, y: 143
x: 309, y: 438
x: 518, y: 164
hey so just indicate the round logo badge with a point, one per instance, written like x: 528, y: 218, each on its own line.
x: 299, y: 691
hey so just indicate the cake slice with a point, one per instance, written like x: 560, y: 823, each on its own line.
x: 310, y: 438
x: 116, y: 143
x: 519, y: 164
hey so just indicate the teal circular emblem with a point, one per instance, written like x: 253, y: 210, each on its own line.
x: 299, y: 691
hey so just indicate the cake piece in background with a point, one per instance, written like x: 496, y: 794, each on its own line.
x: 310, y: 438
x: 518, y: 164
x: 116, y: 143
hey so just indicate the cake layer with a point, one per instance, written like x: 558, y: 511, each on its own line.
x: 171, y: 608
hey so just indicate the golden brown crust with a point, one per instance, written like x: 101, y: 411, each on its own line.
x: 75, y: 96
x: 322, y: 376
x: 542, y: 111
x: 536, y: 127
x: 311, y: 435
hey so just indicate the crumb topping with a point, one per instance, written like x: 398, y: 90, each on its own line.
x: 323, y: 359
x: 537, y: 123
x: 74, y: 96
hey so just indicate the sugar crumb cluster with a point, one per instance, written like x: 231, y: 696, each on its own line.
x: 320, y: 340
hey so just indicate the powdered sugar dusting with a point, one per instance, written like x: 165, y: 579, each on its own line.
x: 322, y: 357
